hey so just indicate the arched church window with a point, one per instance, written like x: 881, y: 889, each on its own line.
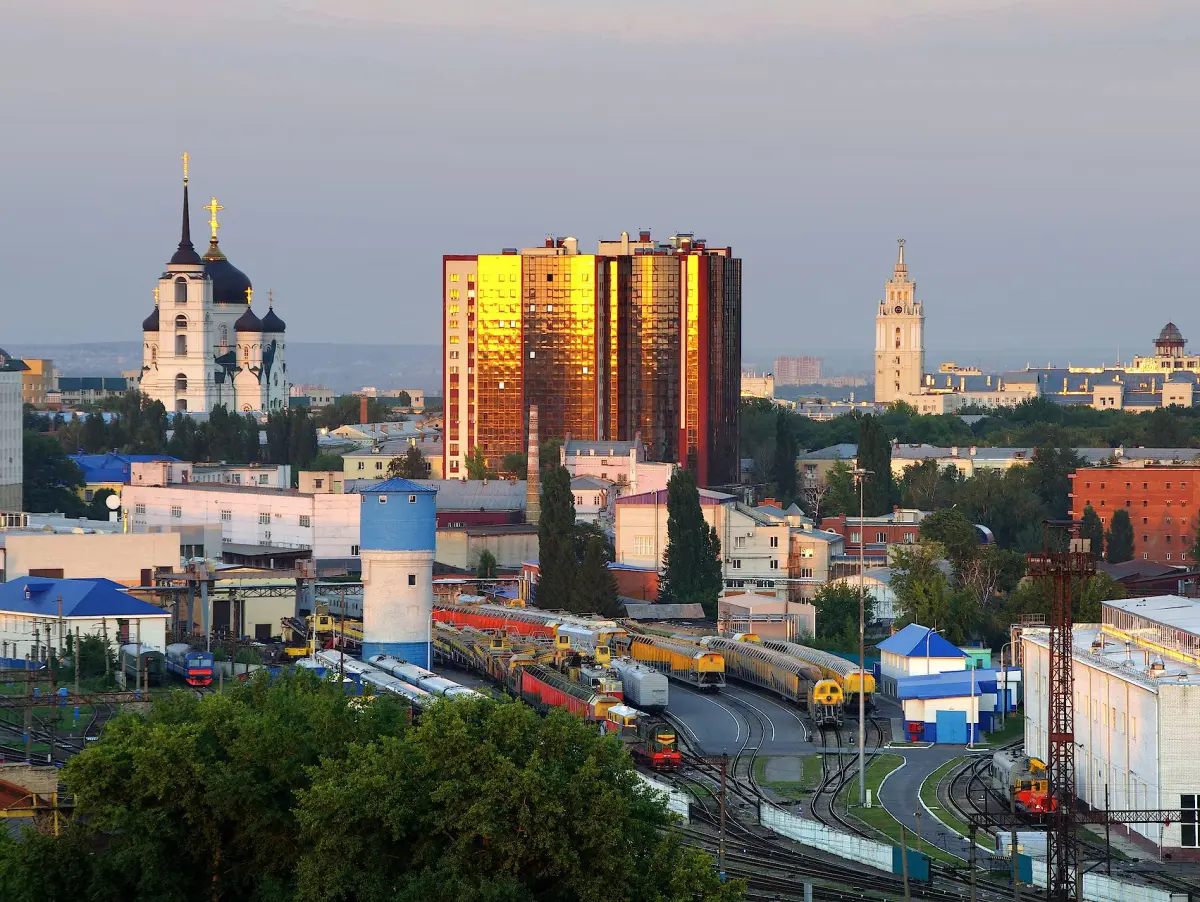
x: 180, y: 345
x: 181, y: 290
x: 181, y: 322
x: 245, y: 354
x: 224, y: 333
x: 897, y: 386
x: 181, y: 383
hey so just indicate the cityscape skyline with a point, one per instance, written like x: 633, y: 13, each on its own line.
x: 1002, y: 171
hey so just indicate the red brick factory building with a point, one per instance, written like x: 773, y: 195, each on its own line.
x: 1161, y: 502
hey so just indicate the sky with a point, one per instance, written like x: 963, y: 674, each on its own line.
x: 1038, y: 157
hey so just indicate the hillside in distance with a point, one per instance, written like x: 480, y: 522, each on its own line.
x: 342, y: 367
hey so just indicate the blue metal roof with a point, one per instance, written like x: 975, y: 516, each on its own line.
x: 956, y: 684
x: 911, y: 641
x: 112, y: 467
x: 80, y: 598
x: 398, y: 485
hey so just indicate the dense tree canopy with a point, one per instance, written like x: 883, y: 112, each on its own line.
x: 558, y: 563
x: 691, y: 571
x: 1118, y: 541
x: 283, y: 791
x: 411, y: 466
x: 875, y: 456
x: 51, y: 479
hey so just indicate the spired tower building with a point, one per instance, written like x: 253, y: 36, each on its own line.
x: 899, y: 338
x: 203, y: 344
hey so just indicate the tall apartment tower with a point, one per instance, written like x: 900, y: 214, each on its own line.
x: 899, y: 337
x: 640, y: 337
x: 397, y: 527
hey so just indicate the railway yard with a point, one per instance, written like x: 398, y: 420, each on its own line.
x: 757, y: 741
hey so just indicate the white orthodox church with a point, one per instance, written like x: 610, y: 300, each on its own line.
x: 203, y: 343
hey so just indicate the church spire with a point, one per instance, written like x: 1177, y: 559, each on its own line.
x: 186, y: 253
x: 901, y: 271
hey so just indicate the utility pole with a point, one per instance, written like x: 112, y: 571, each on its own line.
x: 721, y: 844
x: 971, y: 853
x: 77, y: 660
x: 53, y: 705
x: 104, y: 637
x: 860, y: 476
x: 904, y: 861
x: 28, y: 712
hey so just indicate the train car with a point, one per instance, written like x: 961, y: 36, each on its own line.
x: 194, y: 667
x: 422, y: 678
x: 649, y: 739
x: 684, y: 661
x: 153, y: 665
x: 544, y: 688
x: 785, y: 675
x: 1021, y: 778
x: 522, y: 621
x: 833, y: 667
x: 604, y: 680
x: 587, y: 637
x: 369, y: 675
x: 644, y: 687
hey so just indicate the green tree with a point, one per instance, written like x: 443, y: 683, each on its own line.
x: 51, y: 479
x: 925, y: 595
x: 837, y: 615
x: 326, y: 461
x: 596, y: 586
x: 516, y: 463
x: 486, y: 568
x: 875, y: 456
x: 1097, y: 590
x: 92, y: 654
x: 928, y: 486
x: 1051, y: 467
x: 477, y: 467
x: 97, y: 509
x: 557, y: 561
x: 1166, y: 429
x: 411, y: 466
x: 1092, y: 529
x: 1119, y: 539
x: 404, y: 399
x: 96, y: 436
x: 496, y: 805
x: 346, y: 410
x: 692, y: 561
x: 842, y: 495
x: 954, y: 532
x: 225, y: 826
x: 785, y: 459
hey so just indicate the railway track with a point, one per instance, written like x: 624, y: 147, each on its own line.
x: 838, y: 768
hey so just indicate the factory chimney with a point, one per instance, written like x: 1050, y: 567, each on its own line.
x: 362, y: 410
x: 533, y: 487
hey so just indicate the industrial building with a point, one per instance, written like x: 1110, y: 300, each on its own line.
x: 1160, y: 501
x: 640, y: 337
x: 1137, y: 713
x: 916, y: 651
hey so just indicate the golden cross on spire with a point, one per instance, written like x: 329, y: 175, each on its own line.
x: 186, y: 156
x: 155, y: 295
x: 249, y: 295
x: 214, y: 208
x: 270, y: 297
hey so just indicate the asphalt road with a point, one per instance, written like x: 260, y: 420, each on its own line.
x: 720, y: 722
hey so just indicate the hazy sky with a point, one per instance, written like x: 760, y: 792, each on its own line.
x: 1039, y: 157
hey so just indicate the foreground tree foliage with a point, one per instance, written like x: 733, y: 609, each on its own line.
x: 282, y: 791
x: 691, y: 571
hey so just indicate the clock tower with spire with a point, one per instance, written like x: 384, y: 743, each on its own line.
x: 899, y: 337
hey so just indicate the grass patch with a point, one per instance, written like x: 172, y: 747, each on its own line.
x: 810, y: 778
x: 1014, y: 728
x: 930, y: 797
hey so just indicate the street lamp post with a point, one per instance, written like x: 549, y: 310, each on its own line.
x: 859, y: 476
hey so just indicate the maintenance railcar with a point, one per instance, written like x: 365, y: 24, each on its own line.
x: 194, y: 667
x: 1023, y: 779
x: 648, y: 738
x: 782, y: 674
x: 644, y: 687
x: 833, y: 667
x: 523, y: 621
x: 153, y: 664
x: 684, y: 661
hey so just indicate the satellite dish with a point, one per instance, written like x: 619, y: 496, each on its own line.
x: 113, y: 502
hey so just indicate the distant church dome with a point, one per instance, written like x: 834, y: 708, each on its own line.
x: 150, y: 323
x: 229, y: 283
x: 1170, y: 332
x: 272, y: 323
x: 248, y: 322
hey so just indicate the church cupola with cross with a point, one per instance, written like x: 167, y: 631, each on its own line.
x: 899, y: 337
x: 193, y: 356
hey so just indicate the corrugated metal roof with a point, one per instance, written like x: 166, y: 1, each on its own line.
x: 660, y: 497
x: 955, y: 684
x: 476, y: 494
x: 80, y: 598
x: 911, y: 641
x: 650, y: 611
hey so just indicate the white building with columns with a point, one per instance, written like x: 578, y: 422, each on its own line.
x: 203, y: 344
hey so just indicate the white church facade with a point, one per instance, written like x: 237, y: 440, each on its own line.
x: 203, y: 344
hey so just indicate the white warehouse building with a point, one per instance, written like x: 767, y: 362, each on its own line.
x: 1137, y: 713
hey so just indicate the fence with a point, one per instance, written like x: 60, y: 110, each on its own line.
x: 677, y: 800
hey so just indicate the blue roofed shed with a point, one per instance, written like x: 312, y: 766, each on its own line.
x: 92, y: 606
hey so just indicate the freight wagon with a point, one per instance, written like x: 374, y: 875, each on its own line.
x: 152, y: 665
x: 544, y: 689
x: 643, y: 686
x: 833, y: 667
x: 678, y: 659
x: 782, y: 674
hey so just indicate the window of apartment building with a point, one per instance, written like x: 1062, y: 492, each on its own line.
x: 454, y: 466
x: 774, y: 541
x: 643, y: 545
x: 1145, y: 485
x: 735, y: 584
x: 318, y: 483
x: 807, y: 551
x: 910, y: 538
x: 739, y: 541
x: 774, y: 564
x: 453, y: 277
x: 1188, y: 808
x: 226, y: 516
x: 765, y: 584
x: 1168, y: 555
x: 736, y: 564
x: 139, y: 508
x: 264, y: 518
x: 806, y: 573
x: 855, y: 537
x: 1145, y: 520
x: 379, y: 465
x: 354, y: 551
x: 176, y: 511
x: 881, y: 537
x: 305, y: 520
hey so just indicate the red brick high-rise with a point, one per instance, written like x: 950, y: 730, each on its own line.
x: 1161, y: 503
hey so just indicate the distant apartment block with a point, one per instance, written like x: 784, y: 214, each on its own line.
x: 12, y: 469
x: 315, y: 395
x: 75, y: 391
x: 416, y: 396
x: 1161, y: 502
x: 797, y: 370
x: 37, y: 381
x: 642, y: 336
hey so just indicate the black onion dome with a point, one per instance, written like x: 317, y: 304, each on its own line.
x: 186, y: 252
x: 1170, y: 332
x: 150, y: 323
x: 272, y: 323
x: 229, y: 283
x: 248, y: 322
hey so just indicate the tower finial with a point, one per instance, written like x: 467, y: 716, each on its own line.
x: 186, y: 156
x: 270, y: 297
x: 155, y: 295
x: 185, y: 253
x: 214, y: 208
x: 900, y: 261
x: 249, y: 295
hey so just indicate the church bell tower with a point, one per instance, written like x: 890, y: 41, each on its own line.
x: 899, y: 337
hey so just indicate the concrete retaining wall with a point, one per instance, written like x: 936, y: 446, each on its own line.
x: 677, y: 800
x: 1099, y: 888
x: 864, y: 851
